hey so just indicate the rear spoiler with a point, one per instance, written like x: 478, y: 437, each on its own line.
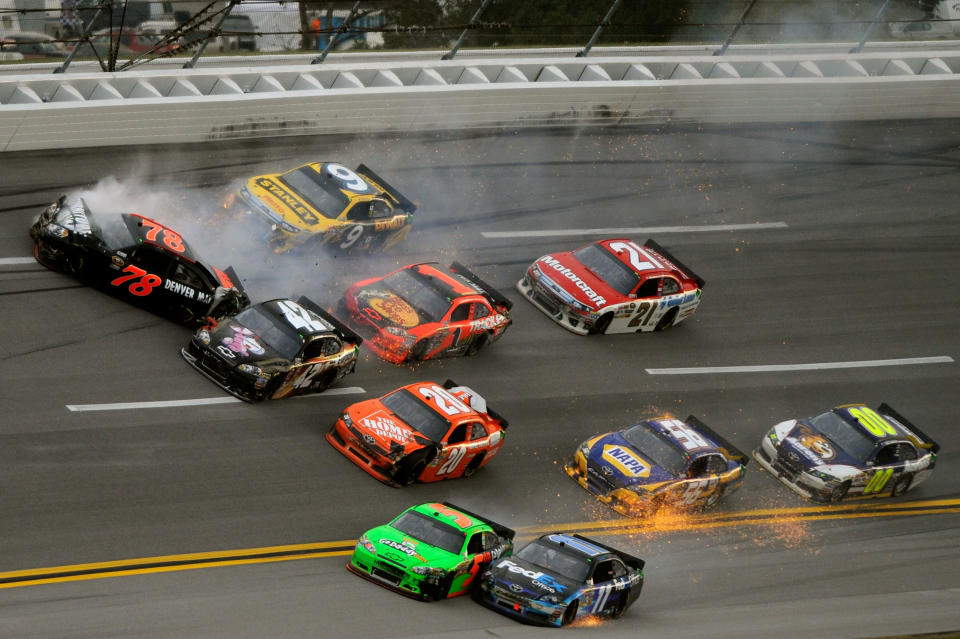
x: 492, y: 413
x: 345, y: 331
x: 234, y: 278
x: 495, y: 296
x: 405, y: 204
x: 680, y: 265
x: 926, y: 440
x: 732, y: 451
x: 500, y: 529
x: 630, y: 560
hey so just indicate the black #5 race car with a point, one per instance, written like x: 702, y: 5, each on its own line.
x: 326, y: 202
x: 136, y: 259
x: 275, y: 349
x: 850, y: 452
x: 559, y: 578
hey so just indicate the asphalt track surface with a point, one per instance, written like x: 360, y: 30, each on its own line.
x: 861, y: 268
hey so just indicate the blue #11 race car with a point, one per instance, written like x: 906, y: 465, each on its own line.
x: 850, y: 452
x: 557, y: 579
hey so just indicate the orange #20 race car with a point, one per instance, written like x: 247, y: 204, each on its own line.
x: 420, y: 432
x: 420, y: 312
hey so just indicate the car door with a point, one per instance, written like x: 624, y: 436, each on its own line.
x: 887, y: 464
x: 458, y: 327
x: 702, y: 479
x: 610, y: 588
x: 140, y: 279
x: 313, y: 370
x: 188, y: 283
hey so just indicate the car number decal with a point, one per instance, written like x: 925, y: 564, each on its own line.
x: 350, y: 180
x: 444, y: 400
x: 171, y: 239
x: 142, y: 287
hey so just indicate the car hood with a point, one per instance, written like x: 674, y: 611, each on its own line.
x: 382, y: 427
x: 292, y: 207
x: 569, y: 279
x: 622, y: 464
x: 385, y: 308
x: 812, y: 449
x: 407, y: 551
x: 245, y: 345
x: 525, y: 579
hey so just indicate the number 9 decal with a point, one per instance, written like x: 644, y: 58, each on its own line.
x: 351, y: 180
x: 350, y: 237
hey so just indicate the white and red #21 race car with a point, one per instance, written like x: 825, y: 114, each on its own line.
x: 613, y: 286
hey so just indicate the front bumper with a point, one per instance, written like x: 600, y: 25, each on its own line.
x: 219, y: 372
x: 505, y: 602
x: 542, y: 298
x: 790, y: 474
x: 622, y: 500
x: 392, y: 576
x: 351, y: 445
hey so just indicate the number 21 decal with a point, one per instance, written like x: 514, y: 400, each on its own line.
x: 640, y: 319
x: 141, y: 287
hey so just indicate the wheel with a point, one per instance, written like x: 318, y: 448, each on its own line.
x: 473, y: 465
x: 655, y: 505
x: 570, y: 613
x: 902, y: 485
x: 479, y: 342
x: 602, y: 324
x: 410, y: 468
x: 713, y: 498
x: 323, y: 382
x: 840, y: 491
x: 419, y: 350
x: 667, y: 320
x: 621, y: 607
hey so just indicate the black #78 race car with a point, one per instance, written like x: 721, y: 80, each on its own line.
x: 275, y: 349
x: 136, y: 259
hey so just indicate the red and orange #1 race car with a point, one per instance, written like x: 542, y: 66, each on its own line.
x: 420, y: 312
x: 420, y: 432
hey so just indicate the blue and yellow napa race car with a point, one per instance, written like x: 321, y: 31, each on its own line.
x: 850, y: 452
x: 558, y: 578
x: 657, y: 462
x: 324, y: 203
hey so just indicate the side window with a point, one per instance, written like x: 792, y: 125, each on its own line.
x: 649, y: 287
x: 907, y: 452
x: 603, y: 571
x: 458, y: 435
x: 887, y: 455
x: 490, y: 540
x: 151, y: 259
x: 461, y: 313
x: 331, y: 346
x: 670, y: 286
x: 716, y: 464
x: 619, y: 570
x: 185, y: 274
x: 480, y: 311
x: 379, y: 209
x: 475, y: 544
x: 359, y: 212
x: 477, y: 431
x: 698, y: 467
x: 317, y: 348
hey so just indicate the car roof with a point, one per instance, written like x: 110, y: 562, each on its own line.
x: 141, y: 227
x: 459, y: 286
x: 301, y: 319
x: 642, y: 260
x: 449, y: 515
x: 683, y: 435
x: 578, y: 545
x: 860, y: 416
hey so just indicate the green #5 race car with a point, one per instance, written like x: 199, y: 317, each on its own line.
x: 431, y: 551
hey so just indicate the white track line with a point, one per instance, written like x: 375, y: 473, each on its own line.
x: 639, y: 230
x: 203, y: 401
x: 776, y: 368
x: 13, y: 261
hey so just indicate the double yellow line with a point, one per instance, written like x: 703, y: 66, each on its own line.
x: 663, y: 522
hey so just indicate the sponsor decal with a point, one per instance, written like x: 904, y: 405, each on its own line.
x: 817, y: 443
x: 291, y: 202
x: 387, y: 428
x: 810, y: 455
x: 487, y: 323
x: 77, y: 219
x: 395, y: 309
x: 624, y: 460
x: 582, y: 546
x: 301, y: 318
x: 243, y: 341
x: 591, y: 294
x: 685, y: 436
x: 389, y: 225
x: 180, y: 289
x: 541, y: 580
x: 407, y: 547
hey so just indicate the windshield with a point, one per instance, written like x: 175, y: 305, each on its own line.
x: 607, y: 267
x: 556, y: 560
x: 273, y: 334
x: 656, y: 448
x: 417, y: 414
x: 856, y: 443
x: 428, y: 297
x: 320, y: 192
x: 430, y: 531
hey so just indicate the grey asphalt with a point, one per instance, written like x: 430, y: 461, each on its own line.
x: 862, y: 270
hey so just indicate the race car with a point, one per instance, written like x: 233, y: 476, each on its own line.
x: 326, y: 203
x: 664, y: 460
x: 274, y: 349
x: 613, y: 286
x: 432, y: 551
x: 136, y: 259
x: 420, y: 432
x: 850, y: 452
x: 420, y: 312
x: 558, y: 578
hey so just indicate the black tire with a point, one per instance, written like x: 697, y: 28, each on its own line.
x: 324, y: 381
x: 419, y: 350
x: 840, y: 492
x: 410, y: 468
x: 479, y: 342
x: 667, y: 320
x: 621, y: 607
x: 902, y: 485
x: 473, y: 465
x: 602, y: 324
x: 714, y: 498
x: 570, y: 614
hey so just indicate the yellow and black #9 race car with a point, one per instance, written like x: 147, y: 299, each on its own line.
x: 325, y: 202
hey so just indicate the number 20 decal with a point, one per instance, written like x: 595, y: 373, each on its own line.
x: 456, y: 456
x: 444, y: 400
x: 142, y: 287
